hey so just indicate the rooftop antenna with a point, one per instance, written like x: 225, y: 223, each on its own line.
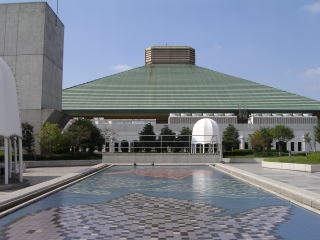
x: 57, y: 12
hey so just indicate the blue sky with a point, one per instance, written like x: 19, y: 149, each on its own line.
x: 273, y: 42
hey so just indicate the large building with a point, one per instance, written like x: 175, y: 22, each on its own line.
x: 170, y: 89
x: 31, y: 42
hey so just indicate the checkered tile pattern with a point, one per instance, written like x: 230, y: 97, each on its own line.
x: 138, y: 216
x: 177, y: 174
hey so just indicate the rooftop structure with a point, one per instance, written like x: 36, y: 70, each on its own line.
x: 170, y: 55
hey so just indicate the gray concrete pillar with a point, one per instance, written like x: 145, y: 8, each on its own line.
x: 6, y: 159
x: 15, y: 155
x: 20, y: 160
x: 10, y: 157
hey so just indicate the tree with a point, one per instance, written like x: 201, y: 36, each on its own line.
x: 84, y: 134
x: 230, y: 138
x: 166, y: 139
x: 124, y: 145
x: 136, y: 146
x: 261, y: 139
x: 147, y: 137
x: 183, y: 140
x: 317, y: 132
x: 27, y: 137
x: 282, y: 135
x: 51, y: 138
x: 308, y: 139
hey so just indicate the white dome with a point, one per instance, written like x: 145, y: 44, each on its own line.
x: 10, y: 123
x: 205, y: 131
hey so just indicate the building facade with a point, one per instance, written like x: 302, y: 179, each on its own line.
x: 170, y: 89
x: 31, y: 42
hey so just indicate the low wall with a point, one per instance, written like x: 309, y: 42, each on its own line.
x: 61, y: 163
x: 292, y: 166
x: 159, y: 158
x: 242, y: 160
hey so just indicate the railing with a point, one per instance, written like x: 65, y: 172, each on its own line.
x: 193, y: 144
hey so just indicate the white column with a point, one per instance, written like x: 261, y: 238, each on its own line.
x: 241, y: 142
x: 111, y: 147
x: 10, y: 158
x: 20, y: 160
x: 303, y: 147
x: 203, y: 148
x: 15, y: 155
x: 6, y: 159
x: 129, y: 150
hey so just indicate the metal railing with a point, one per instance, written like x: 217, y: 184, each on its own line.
x: 163, y: 144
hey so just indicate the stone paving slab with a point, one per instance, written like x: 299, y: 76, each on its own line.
x: 273, y: 180
x: 304, y: 180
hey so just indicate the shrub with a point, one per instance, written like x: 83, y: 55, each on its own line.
x: 183, y: 140
x: 61, y: 156
x: 124, y: 146
x: 27, y: 137
x: 314, y: 156
x: 84, y: 134
x: 147, y: 138
x: 261, y: 139
x: 282, y: 135
x: 136, y: 146
x: 238, y: 152
x: 166, y: 139
x: 51, y: 138
x: 230, y: 139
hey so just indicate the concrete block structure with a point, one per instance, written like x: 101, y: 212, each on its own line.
x: 31, y: 42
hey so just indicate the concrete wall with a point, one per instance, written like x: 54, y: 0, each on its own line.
x: 158, y: 158
x: 31, y: 42
x: 61, y: 163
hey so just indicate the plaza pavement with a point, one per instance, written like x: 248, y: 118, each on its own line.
x: 38, y: 175
x: 302, y: 180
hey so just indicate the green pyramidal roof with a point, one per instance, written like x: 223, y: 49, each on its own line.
x: 167, y: 88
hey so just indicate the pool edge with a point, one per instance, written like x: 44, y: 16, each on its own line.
x: 298, y: 196
x: 21, y: 198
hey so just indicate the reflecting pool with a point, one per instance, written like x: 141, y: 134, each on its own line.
x: 164, y: 202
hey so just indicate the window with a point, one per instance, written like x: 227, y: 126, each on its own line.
x: 292, y: 146
x: 299, y: 146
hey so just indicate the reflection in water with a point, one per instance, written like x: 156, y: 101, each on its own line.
x: 200, y: 182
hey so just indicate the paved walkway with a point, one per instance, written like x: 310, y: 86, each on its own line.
x: 306, y: 181
x: 39, y: 175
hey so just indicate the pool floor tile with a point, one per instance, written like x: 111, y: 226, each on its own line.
x: 140, y: 216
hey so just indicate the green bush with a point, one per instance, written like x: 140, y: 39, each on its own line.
x: 238, y: 152
x: 61, y: 156
x: 314, y: 156
x: 124, y: 145
x: 270, y: 153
